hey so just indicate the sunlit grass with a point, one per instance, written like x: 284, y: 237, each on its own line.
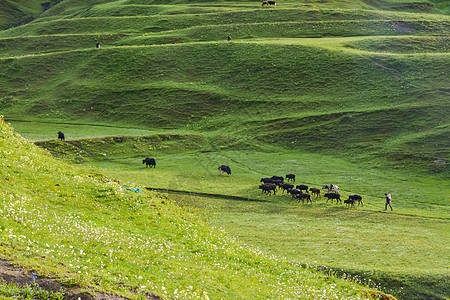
x: 366, y: 241
x: 341, y: 92
x: 74, y: 130
x: 82, y: 227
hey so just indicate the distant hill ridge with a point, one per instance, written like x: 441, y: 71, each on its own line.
x: 15, y: 13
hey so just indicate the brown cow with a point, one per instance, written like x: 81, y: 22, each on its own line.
x: 315, y: 192
x: 286, y: 186
x: 267, y: 188
x: 303, y: 196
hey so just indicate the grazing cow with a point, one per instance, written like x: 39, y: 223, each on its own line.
x: 331, y: 188
x: 277, y: 182
x: 224, y: 169
x: 315, y: 192
x: 267, y: 188
x: 290, y: 177
x: 269, y: 3
x: 303, y: 196
x: 277, y: 178
x: 356, y: 198
x: 349, y: 202
x: 149, y: 162
x: 331, y: 196
x: 61, y: 136
x: 294, y: 192
x: 286, y: 186
x: 266, y: 180
x: 229, y: 38
x: 302, y: 187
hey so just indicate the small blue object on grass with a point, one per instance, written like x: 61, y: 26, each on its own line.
x: 132, y: 189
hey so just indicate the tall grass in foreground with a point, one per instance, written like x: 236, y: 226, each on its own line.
x: 84, y: 228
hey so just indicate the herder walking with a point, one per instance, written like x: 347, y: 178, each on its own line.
x: 388, y: 201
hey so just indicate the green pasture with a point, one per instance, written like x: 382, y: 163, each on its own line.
x: 367, y: 242
x: 86, y: 229
x: 353, y: 93
x: 374, y: 246
x: 370, y: 245
x: 48, y: 130
x: 197, y: 172
x: 271, y: 84
x: 364, y: 241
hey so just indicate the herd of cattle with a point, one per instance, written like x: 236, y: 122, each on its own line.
x: 277, y: 183
x: 300, y: 192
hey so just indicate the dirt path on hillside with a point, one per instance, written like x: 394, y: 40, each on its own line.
x: 392, y: 70
x: 11, y: 273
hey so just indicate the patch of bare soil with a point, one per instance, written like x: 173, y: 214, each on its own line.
x: 20, y: 276
x: 403, y: 27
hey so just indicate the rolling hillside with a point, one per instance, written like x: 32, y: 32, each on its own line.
x: 15, y: 13
x: 348, y: 78
x: 86, y: 230
x: 353, y: 92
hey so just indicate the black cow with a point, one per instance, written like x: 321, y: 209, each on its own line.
x: 149, y: 162
x: 294, y: 192
x: 278, y: 182
x: 302, y: 187
x: 267, y: 188
x: 224, y: 169
x: 356, y: 198
x: 61, y: 136
x: 266, y: 180
x: 277, y: 178
x: 349, y: 202
x: 290, y: 177
x: 331, y: 196
x: 269, y: 3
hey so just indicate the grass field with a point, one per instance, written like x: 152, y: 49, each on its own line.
x: 353, y: 93
x: 366, y: 242
x: 84, y: 228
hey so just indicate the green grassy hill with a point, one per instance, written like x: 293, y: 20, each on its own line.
x: 347, y: 92
x: 333, y: 74
x: 82, y: 228
x: 15, y: 13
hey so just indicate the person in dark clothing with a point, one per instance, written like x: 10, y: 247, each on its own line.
x: 388, y: 201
